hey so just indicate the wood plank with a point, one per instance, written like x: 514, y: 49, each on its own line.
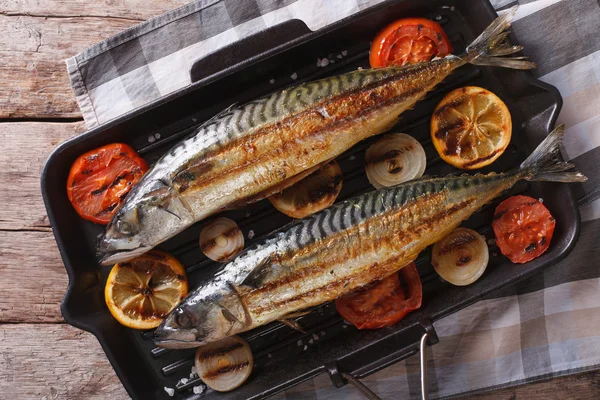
x: 25, y: 148
x: 54, y: 361
x: 32, y: 65
x: 33, y: 279
x: 39, y: 35
x: 135, y: 10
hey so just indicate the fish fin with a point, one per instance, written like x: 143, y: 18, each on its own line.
x: 292, y: 324
x: 490, y: 47
x: 544, y: 163
x: 255, y: 277
x: 228, y: 315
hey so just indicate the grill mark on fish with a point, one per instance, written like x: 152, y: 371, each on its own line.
x: 289, y: 279
x: 341, y: 122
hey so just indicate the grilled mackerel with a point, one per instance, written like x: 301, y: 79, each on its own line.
x: 341, y: 249
x: 247, y: 153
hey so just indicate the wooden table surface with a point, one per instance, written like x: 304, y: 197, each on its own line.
x: 40, y: 355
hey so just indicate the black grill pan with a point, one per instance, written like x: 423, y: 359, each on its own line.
x: 257, y: 66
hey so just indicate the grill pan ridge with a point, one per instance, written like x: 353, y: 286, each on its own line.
x: 239, y: 73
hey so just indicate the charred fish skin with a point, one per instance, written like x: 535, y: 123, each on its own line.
x: 237, y: 157
x: 243, y: 153
x: 327, y: 255
x: 343, y: 248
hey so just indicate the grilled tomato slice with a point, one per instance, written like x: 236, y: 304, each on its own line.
x: 523, y: 227
x: 140, y: 292
x: 471, y: 127
x: 385, y: 303
x: 409, y: 40
x: 100, y: 179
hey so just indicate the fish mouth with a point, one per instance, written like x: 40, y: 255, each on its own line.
x: 117, y: 256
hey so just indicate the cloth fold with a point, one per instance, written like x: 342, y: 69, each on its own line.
x: 546, y: 326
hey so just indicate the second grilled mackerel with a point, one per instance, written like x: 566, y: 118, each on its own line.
x: 247, y: 153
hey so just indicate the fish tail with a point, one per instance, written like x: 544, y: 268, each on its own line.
x: 544, y: 164
x: 491, y: 46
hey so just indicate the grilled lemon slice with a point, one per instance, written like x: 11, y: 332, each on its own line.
x: 140, y: 292
x: 471, y: 127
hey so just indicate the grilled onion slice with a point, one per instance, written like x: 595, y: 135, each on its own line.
x: 221, y: 239
x: 394, y: 159
x: 461, y: 257
x: 224, y: 365
x: 313, y: 193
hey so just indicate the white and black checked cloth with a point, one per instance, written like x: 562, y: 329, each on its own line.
x: 546, y: 326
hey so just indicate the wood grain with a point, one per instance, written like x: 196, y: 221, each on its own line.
x: 54, y: 361
x: 25, y: 148
x: 37, y: 36
x: 33, y: 279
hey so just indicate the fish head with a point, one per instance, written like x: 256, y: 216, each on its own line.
x: 149, y: 215
x: 196, y: 322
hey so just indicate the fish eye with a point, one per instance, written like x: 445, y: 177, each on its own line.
x: 124, y: 227
x: 184, y: 320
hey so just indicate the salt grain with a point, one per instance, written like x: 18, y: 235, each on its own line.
x: 250, y: 234
x: 157, y: 136
x: 198, y: 389
x: 344, y: 53
x: 151, y: 139
x: 194, y: 120
x: 541, y: 200
x: 438, y: 17
x: 270, y: 355
x: 359, y: 68
x: 272, y: 81
x: 170, y: 391
x: 310, y: 341
x: 305, y: 347
x: 324, y: 62
x: 315, y: 336
x: 322, y: 333
x: 339, y: 56
x: 332, y: 61
x: 299, y: 343
x: 193, y: 374
x: 182, y: 381
x: 352, y: 158
x: 294, y: 76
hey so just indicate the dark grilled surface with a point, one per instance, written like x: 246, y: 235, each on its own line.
x: 276, y: 343
x: 282, y: 355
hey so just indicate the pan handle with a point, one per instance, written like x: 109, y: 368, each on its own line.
x: 244, y: 51
x: 351, y: 368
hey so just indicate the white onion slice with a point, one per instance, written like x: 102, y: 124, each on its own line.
x: 221, y: 239
x: 313, y: 193
x: 394, y: 159
x: 224, y: 365
x: 461, y: 257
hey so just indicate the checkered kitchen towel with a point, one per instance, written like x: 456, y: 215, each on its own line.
x: 546, y: 326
